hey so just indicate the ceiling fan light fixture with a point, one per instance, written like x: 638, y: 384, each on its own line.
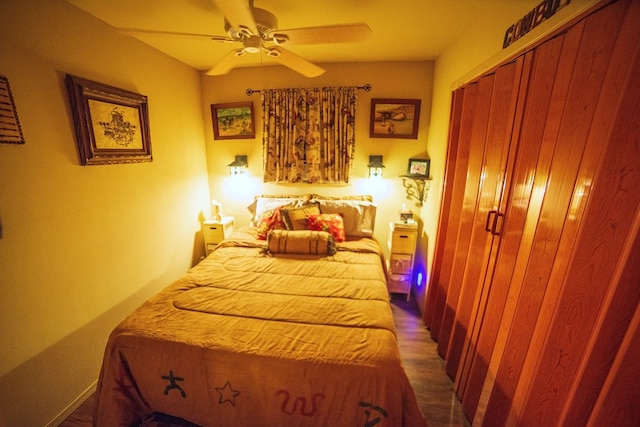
x: 252, y: 44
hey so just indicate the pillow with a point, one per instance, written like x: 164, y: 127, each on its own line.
x: 261, y: 204
x: 361, y: 197
x: 300, y: 242
x: 331, y: 223
x: 296, y: 218
x: 359, y: 216
x: 270, y: 220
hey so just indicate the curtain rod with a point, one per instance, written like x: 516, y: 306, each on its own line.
x: 366, y: 88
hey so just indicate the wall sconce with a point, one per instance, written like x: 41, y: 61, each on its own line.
x: 238, y: 166
x: 375, y: 167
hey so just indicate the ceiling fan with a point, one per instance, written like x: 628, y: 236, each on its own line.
x: 257, y: 30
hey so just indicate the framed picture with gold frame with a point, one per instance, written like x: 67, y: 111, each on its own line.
x: 111, y: 124
x: 394, y: 118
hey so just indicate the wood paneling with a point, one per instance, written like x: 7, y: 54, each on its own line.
x: 532, y: 315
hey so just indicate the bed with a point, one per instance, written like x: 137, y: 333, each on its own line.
x: 288, y: 328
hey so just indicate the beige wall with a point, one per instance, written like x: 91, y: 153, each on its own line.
x: 82, y: 246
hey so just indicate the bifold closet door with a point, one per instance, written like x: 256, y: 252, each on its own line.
x: 473, y: 134
x: 455, y: 178
x: 494, y: 176
x: 576, y: 224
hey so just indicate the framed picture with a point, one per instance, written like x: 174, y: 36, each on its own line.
x: 394, y: 118
x: 10, y: 130
x: 419, y: 167
x: 233, y: 120
x: 112, y: 125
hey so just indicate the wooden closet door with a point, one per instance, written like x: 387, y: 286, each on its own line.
x: 601, y: 224
x: 477, y: 97
x: 455, y: 177
x: 530, y: 174
x: 550, y: 235
x: 484, y: 196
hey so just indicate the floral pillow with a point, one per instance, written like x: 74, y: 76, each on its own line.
x: 331, y: 223
x: 269, y: 220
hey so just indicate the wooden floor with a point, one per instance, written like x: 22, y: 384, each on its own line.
x: 425, y: 369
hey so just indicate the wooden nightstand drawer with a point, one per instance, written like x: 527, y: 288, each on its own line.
x: 403, y: 241
x: 400, y: 263
x: 399, y: 283
x: 215, y: 231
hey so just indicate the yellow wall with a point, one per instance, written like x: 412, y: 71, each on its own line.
x: 388, y: 80
x: 82, y: 246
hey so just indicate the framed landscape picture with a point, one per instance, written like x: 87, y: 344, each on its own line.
x: 112, y: 125
x: 394, y: 118
x: 233, y: 120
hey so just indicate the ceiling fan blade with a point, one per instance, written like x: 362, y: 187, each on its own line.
x: 227, y: 62
x: 295, y: 62
x: 346, y: 33
x: 239, y: 15
x: 137, y: 32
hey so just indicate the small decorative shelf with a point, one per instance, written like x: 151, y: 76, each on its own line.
x: 417, y: 187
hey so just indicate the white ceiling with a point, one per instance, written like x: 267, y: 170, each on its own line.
x: 402, y: 30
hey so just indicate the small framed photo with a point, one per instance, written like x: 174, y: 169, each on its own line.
x: 394, y: 118
x: 112, y: 125
x: 233, y: 120
x: 419, y: 167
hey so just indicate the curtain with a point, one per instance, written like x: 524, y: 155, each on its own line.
x: 308, y: 135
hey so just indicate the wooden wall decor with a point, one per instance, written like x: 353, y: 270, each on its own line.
x: 534, y: 293
x: 10, y: 130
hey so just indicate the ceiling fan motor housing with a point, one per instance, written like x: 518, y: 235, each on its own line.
x: 266, y: 22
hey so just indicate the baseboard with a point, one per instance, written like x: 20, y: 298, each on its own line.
x: 66, y: 412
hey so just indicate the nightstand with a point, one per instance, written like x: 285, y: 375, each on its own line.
x: 214, y: 231
x: 402, y: 248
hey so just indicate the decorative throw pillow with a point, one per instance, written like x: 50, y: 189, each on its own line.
x: 296, y: 218
x: 359, y: 216
x: 306, y: 242
x: 270, y: 220
x: 331, y: 223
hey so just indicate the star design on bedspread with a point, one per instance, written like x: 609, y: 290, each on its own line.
x: 227, y: 394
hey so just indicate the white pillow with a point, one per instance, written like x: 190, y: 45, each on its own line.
x: 262, y: 204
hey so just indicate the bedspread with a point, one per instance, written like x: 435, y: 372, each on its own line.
x: 251, y: 339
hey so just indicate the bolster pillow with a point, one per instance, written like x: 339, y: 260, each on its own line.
x: 307, y: 242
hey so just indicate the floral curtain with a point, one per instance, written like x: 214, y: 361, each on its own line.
x: 308, y: 135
